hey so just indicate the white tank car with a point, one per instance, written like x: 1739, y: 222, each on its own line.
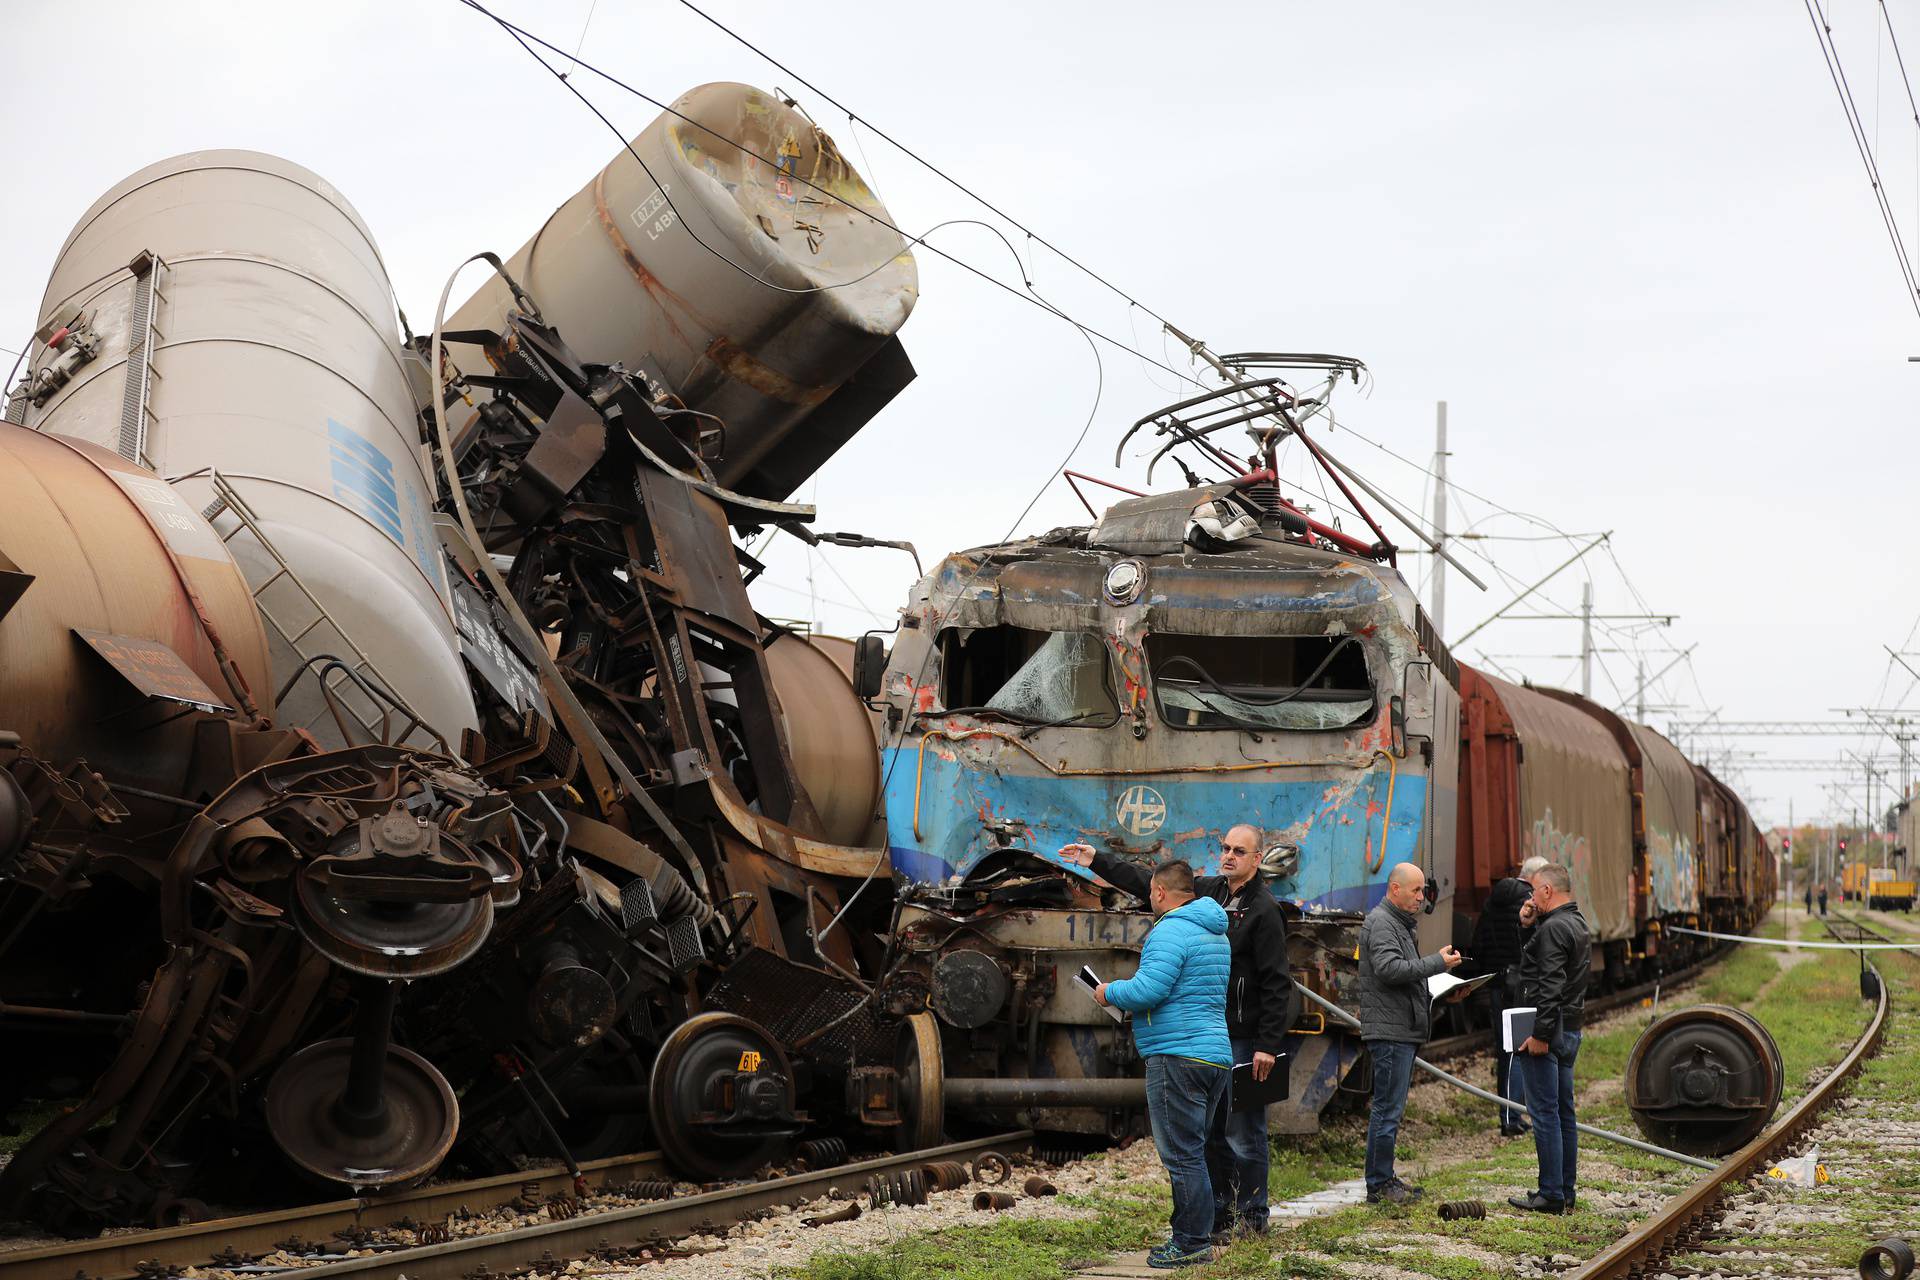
x: 254, y: 335
x: 620, y: 270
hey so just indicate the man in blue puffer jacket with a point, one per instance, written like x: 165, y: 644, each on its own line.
x: 1178, y: 998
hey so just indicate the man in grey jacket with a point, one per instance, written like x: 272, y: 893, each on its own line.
x: 1396, y: 1017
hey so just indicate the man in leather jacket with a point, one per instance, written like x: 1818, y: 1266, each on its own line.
x: 1259, y: 1007
x: 1554, y: 968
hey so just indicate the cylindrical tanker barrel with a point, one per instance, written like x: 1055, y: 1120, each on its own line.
x: 113, y: 588
x: 827, y: 733
x: 753, y: 273
x: 254, y: 335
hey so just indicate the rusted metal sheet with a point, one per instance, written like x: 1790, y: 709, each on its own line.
x: 1668, y: 807
x: 101, y: 562
x: 153, y: 669
x: 1574, y: 803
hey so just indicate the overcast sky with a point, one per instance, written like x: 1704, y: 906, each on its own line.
x: 1631, y: 245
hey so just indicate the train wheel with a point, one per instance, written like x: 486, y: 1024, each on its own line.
x: 722, y: 1097
x: 361, y: 1110
x: 1704, y: 1080
x: 381, y: 939
x: 921, y: 1072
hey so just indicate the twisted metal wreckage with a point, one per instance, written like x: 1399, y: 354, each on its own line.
x: 635, y: 899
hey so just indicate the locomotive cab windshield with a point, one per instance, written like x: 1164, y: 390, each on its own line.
x: 1301, y: 683
x: 1053, y: 678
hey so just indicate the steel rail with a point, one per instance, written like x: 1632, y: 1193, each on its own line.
x: 117, y: 1256
x: 1680, y: 1220
x: 503, y: 1252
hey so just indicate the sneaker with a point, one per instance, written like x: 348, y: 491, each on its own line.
x: 1571, y: 1201
x: 1409, y: 1187
x: 1392, y: 1193
x: 1252, y: 1228
x: 1534, y: 1202
x: 1170, y: 1256
x: 1512, y: 1130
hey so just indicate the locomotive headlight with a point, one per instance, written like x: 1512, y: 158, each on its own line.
x: 1280, y: 861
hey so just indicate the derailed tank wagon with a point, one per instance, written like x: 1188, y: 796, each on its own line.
x: 393, y: 769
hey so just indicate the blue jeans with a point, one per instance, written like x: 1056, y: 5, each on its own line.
x: 1549, y: 1084
x: 1182, y: 1096
x: 1392, y: 1073
x: 1237, y: 1154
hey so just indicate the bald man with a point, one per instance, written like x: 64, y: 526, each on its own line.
x: 1396, y: 1017
x: 1258, y: 1000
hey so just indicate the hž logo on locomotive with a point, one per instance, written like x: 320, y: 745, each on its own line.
x: 1141, y: 811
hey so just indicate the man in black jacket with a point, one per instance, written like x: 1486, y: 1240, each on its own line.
x: 1259, y: 996
x: 1554, y: 967
x: 1496, y: 950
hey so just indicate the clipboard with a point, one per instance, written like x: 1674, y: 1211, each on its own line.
x: 1088, y: 981
x: 1444, y: 986
x: 1248, y: 1094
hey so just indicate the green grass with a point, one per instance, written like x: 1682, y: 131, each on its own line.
x: 1009, y: 1249
x: 1813, y: 1010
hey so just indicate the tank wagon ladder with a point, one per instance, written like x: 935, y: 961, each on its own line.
x: 357, y: 670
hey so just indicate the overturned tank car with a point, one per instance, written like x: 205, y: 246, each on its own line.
x: 393, y: 771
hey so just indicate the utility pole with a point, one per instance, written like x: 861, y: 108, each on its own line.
x: 1440, y: 520
x: 1586, y: 640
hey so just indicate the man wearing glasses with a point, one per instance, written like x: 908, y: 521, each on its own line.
x: 1259, y: 997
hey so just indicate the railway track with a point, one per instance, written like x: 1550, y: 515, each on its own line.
x: 1681, y: 1222
x: 573, y: 1227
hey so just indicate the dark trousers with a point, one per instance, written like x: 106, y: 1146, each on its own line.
x: 1237, y: 1154
x: 1556, y: 1140
x: 1182, y: 1096
x: 1507, y: 1080
x: 1392, y: 1074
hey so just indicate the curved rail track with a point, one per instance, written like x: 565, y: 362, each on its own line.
x: 1683, y: 1219
x: 569, y: 1232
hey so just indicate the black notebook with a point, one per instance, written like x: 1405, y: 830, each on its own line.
x: 1249, y: 1094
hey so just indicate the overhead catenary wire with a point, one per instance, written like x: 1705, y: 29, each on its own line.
x: 1092, y: 335
x: 931, y: 167
x: 524, y: 37
x: 1830, y: 54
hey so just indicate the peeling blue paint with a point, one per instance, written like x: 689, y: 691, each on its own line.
x: 1334, y: 811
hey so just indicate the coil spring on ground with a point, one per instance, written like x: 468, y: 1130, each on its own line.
x: 944, y: 1175
x: 990, y: 1168
x: 903, y: 1186
x: 1455, y: 1210
x: 1037, y: 1186
x: 997, y: 1201
x: 1890, y: 1259
x: 562, y: 1207
x: 649, y: 1189
x: 820, y: 1153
